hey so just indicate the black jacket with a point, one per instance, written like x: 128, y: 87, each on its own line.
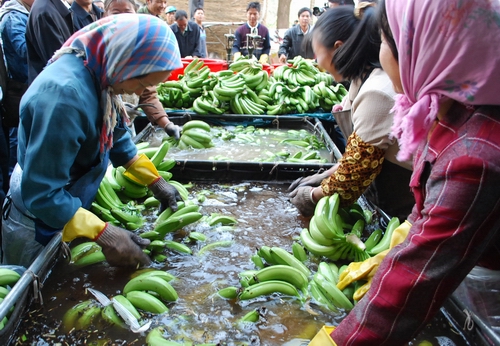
x: 49, y: 26
x: 82, y: 18
x: 189, y: 43
x: 292, y: 44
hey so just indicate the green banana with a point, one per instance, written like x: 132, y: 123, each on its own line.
x: 166, y: 165
x: 198, y: 134
x: 267, y: 288
x: 196, y: 124
x: 128, y: 216
x: 87, y: 317
x: 373, y: 239
x: 313, y: 247
x: 81, y: 250
x: 173, y: 224
x: 265, y: 253
x: 127, y: 305
x: 146, y: 302
x: 317, y: 235
x: 109, y: 315
x: 385, y: 242
x: 211, y: 246
x: 160, y: 154
x: 197, y: 236
x: 103, y: 213
x: 225, y: 220
x: 283, y: 273
x: 92, y: 258
x: 332, y: 292
x: 230, y: 292
x: 156, y: 273
x: 325, y: 270
x: 182, y: 190
x: 320, y: 298
x: 3, y: 292
x: 154, y: 284
x: 257, y: 260
x: 290, y: 260
x: 299, y: 252
x: 191, y: 142
x: 73, y: 314
x: 128, y: 187
x: 252, y: 316
x: 179, y: 247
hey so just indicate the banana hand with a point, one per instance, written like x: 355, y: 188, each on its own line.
x: 366, y: 270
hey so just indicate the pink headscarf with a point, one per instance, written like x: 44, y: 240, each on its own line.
x: 447, y: 49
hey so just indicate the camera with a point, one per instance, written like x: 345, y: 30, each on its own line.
x: 318, y: 11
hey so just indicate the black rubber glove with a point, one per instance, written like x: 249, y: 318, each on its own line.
x: 173, y: 130
x: 303, y: 202
x: 312, y: 180
x: 123, y: 248
x: 166, y: 194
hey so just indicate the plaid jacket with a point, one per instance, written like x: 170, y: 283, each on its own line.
x: 456, y: 226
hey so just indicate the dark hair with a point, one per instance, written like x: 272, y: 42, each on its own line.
x: 304, y: 9
x: 198, y: 9
x: 383, y: 24
x: 180, y: 14
x: 254, y: 4
x: 361, y: 39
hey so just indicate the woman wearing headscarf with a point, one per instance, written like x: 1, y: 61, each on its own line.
x: 442, y: 57
x: 72, y: 123
x: 346, y: 42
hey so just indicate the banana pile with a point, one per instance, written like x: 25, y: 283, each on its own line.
x: 335, y: 232
x: 323, y: 288
x: 195, y: 134
x: 285, y: 274
x: 8, y: 279
x: 147, y: 292
x: 248, y: 89
x: 330, y: 233
x: 115, y: 201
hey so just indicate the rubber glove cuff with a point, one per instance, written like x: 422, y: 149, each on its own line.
x: 264, y: 58
x: 236, y: 56
x: 400, y: 234
x: 323, y: 338
x: 142, y: 171
x: 83, y: 224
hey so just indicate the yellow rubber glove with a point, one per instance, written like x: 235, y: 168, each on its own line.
x: 236, y: 56
x: 264, y: 59
x: 142, y: 171
x: 366, y: 270
x: 83, y: 224
x: 322, y: 338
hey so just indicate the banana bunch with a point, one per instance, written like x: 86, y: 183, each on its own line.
x: 244, y: 65
x: 172, y: 95
x: 329, y: 95
x: 296, y: 99
x: 82, y: 316
x: 150, y: 291
x: 208, y: 103
x: 295, y: 76
x: 109, y: 207
x: 302, y: 138
x: 195, y: 134
x: 326, y: 234
x: 87, y: 253
x: 323, y: 288
x: 8, y: 277
x: 228, y: 86
x: 248, y: 102
x: 169, y: 221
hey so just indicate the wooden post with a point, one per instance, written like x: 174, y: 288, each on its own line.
x: 283, y: 14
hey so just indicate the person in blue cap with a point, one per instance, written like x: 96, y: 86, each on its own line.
x: 170, y: 14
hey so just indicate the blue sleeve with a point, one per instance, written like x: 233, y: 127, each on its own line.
x: 51, y: 134
x: 14, y: 40
x: 124, y: 148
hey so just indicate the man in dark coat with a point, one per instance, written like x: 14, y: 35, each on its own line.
x: 85, y: 12
x: 187, y: 34
x: 49, y: 26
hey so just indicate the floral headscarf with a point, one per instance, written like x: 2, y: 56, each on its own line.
x: 118, y: 48
x: 447, y: 49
